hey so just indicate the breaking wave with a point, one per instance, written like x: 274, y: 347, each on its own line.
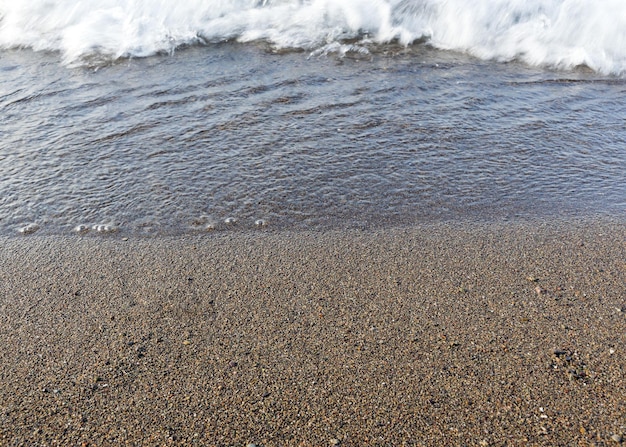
x: 553, y: 33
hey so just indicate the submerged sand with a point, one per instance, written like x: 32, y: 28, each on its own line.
x: 500, y: 334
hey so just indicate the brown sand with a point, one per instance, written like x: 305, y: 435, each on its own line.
x: 435, y: 335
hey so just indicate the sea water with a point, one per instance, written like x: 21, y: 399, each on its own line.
x: 168, y: 117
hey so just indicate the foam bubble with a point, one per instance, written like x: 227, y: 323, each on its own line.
x: 29, y: 229
x: 81, y: 228
x: 104, y: 228
x: 200, y: 220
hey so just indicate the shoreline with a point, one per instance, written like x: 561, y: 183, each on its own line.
x: 503, y: 334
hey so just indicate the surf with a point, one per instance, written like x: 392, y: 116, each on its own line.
x: 560, y: 34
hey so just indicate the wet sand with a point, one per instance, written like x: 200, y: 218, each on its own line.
x: 500, y: 334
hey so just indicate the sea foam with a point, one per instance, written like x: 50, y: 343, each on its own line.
x: 554, y: 33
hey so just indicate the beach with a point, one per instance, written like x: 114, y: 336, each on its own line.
x: 312, y: 223
x: 505, y: 333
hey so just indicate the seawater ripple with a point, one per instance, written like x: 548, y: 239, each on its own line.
x: 234, y: 138
x: 553, y: 33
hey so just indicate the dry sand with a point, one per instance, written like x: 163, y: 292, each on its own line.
x: 501, y: 334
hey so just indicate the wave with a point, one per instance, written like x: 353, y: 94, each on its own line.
x: 552, y: 33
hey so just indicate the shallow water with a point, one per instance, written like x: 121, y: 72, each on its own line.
x: 172, y: 144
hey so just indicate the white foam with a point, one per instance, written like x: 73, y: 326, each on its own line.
x: 558, y: 33
x: 104, y: 228
x: 81, y: 228
x: 29, y: 229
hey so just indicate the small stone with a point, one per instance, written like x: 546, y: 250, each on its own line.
x: 335, y: 441
x: 617, y: 438
x: 186, y: 342
x: 540, y: 291
x: 251, y: 445
x: 230, y: 220
x: 260, y: 222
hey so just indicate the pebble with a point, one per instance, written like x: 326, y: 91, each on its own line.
x: 260, y: 222
x: 335, y: 441
x: 230, y: 220
x: 617, y: 438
